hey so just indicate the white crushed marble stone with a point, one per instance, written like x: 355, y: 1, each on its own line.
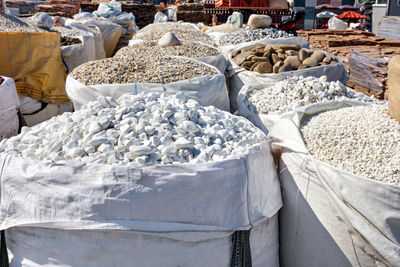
x: 297, y: 91
x: 362, y: 140
x: 138, y: 130
x: 248, y: 35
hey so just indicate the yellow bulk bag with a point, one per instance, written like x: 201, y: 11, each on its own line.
x: 33, y: 60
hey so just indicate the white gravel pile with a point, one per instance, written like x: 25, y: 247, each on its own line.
x: 362, y: 140
x: 138, y: 130
x: 297, y: 91
x: 248, y: 35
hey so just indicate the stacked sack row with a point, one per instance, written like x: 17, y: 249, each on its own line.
x: 149, y: 162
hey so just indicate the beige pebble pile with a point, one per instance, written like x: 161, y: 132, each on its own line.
x: 140, y: 69
x: 185, y: 33
x: 187, y: 49
x: 362, y: 140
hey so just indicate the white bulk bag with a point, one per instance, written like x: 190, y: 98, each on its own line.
x: 216, y: 36
x: 9, y: 105
x: 106, y: 9
x: 207, y: 90
x: 110, y: 32
x: 77, y: 54
x: 331, y: 217
x: 335, y: 23
x: 240, y: 76
x: 98, y: 39
x: 93, y: 248
x: 160, y: 17
x: 218, y: 61
x: 86, y: 214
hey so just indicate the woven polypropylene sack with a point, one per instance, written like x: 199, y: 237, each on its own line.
x: 331, y: 217
x: 110, y: 32
x: 240, y: 76
x: 33, y: 60
x: 9, y: 104
x: 77, y: 54
x: 208, y: 90
x: 179, y: 214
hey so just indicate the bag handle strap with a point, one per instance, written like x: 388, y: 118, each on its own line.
x: 241, y: 253
x: 3, y: 251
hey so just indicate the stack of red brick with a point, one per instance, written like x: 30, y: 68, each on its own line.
x: 241, y: 3
x: 65, y: 8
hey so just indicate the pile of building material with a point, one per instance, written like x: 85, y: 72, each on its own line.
x: 371, y: 59
x: 343, y: 42
x: 23, y: 7
x: 64, y: 8
x: 192, y: 13
x: 368, y: 74
x: 389, y: 27
x: 144, y: 14
x: 89, y: 6
x: 2, y: 9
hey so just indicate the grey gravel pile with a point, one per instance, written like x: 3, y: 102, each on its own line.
x: 249, y: 35
x: 362, y: 140
x: 9, y: 23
